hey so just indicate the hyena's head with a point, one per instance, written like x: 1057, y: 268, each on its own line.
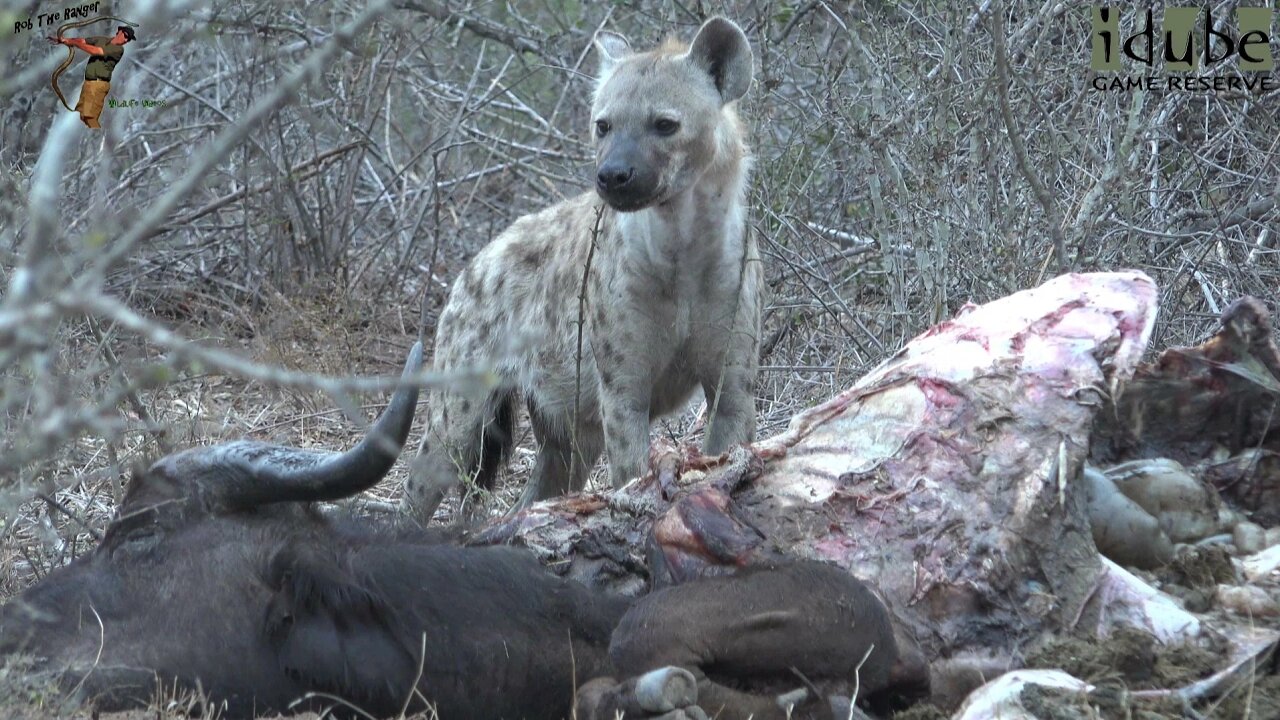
x: 661, y: 118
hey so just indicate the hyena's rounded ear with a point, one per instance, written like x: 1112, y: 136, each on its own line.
x: 613, y: 48
x: 721, y: 49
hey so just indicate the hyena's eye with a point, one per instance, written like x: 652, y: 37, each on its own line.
x: 666, y: 126
x: 602, y: 128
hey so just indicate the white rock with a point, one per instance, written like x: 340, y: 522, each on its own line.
x: 1182, y: 504
x: 1124, y: 599
x: 1001, y: 699
x: 1247, y: 600
x: 1249, y: 537
x: 1259, y: 565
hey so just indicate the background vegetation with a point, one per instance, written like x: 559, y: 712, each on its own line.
x: 223, y: 264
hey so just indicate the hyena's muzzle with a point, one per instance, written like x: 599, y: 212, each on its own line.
x: 627, y: 176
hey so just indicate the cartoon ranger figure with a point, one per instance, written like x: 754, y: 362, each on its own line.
x: 104, y: 53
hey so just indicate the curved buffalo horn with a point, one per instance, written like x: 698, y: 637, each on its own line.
x: 245, y: 474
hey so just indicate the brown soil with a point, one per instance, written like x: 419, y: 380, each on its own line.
x: 1051, y: 704
x: 1133, y: 660
x: 923, y: 711
x: 1130, y: 658
x: 1201, y: 568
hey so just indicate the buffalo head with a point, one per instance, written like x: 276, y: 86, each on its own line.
x: 203, y: 548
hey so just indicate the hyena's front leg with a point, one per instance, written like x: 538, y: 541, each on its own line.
x: 731, y: 408
x: 728, y: 377
x: 626, y: 387
x: 626, y: 433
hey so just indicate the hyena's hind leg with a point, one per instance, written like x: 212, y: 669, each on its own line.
x: 465, y: 444
x: 565, y: 457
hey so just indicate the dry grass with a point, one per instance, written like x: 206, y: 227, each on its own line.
x: 299, y: 224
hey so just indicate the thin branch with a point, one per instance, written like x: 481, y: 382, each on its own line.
x: 230, y: 198
x: 477, y: 25
x: 44, y: 204
x: 1014, y: 134
x: 582, y: 320
x: 186, y: 351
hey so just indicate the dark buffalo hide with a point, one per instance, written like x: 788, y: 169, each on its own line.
x: 219, y: 577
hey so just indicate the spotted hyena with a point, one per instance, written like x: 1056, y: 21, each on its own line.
x: 608, y: 310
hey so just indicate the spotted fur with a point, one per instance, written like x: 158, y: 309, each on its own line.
x: 658, y: 264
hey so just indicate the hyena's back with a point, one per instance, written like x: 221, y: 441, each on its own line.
x: 512, y: 297
x: 511, y: 311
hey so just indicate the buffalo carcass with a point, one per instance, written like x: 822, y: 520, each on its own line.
x: 953, y: 477
x: 219, y: 576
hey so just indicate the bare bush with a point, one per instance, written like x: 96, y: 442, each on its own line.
x: 311, y: 170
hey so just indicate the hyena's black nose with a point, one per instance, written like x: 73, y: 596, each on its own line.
x: 614, y: 176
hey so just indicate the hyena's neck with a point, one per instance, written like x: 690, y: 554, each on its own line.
x: 703, y: 225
